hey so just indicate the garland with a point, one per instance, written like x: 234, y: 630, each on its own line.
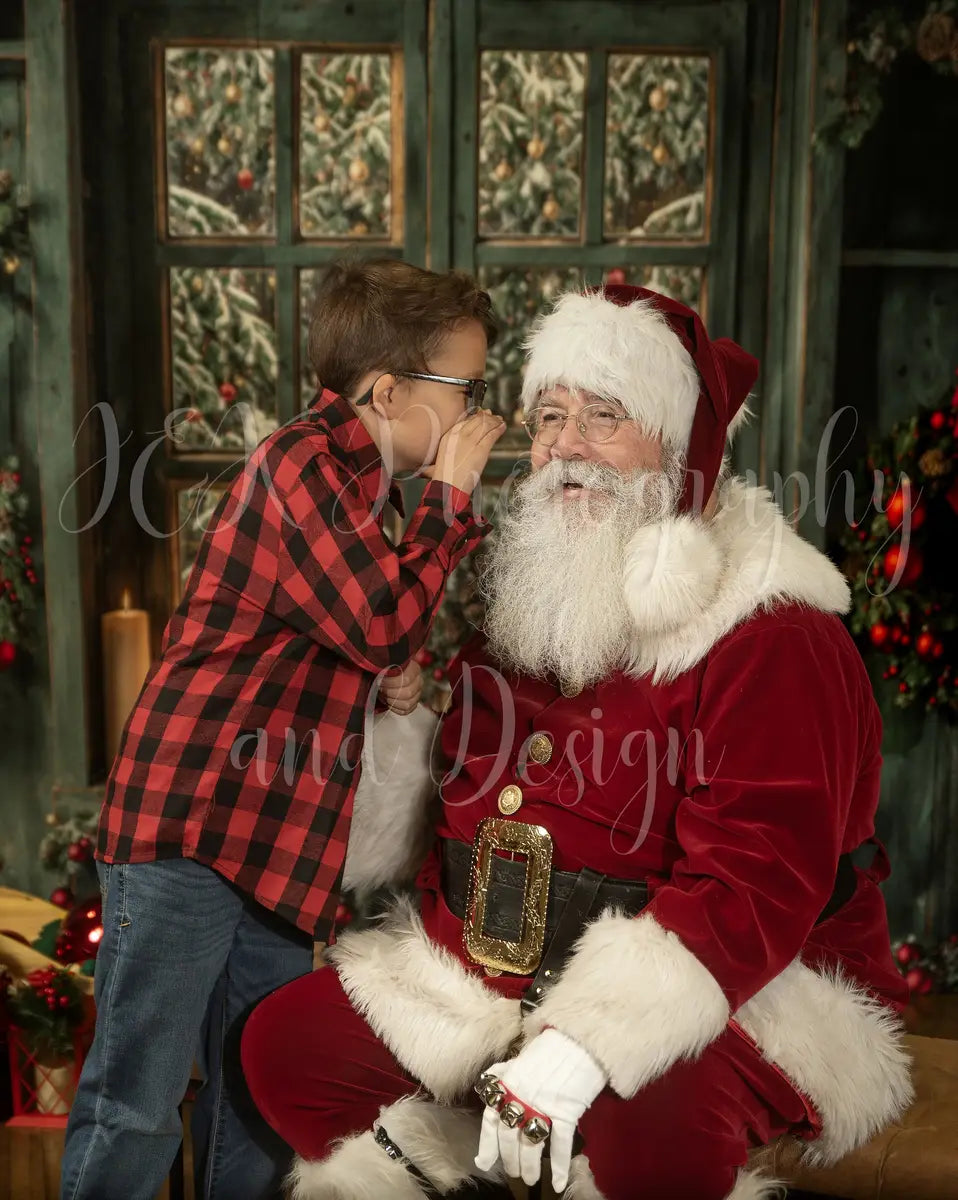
x: 901, y: 561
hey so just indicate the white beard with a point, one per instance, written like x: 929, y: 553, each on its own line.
x: 554, y: 579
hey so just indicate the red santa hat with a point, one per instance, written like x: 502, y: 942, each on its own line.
x: 653, y: 356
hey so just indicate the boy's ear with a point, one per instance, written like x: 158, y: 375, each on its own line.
x: 382, y: 399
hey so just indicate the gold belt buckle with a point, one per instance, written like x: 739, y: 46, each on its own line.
x: 534, y: 842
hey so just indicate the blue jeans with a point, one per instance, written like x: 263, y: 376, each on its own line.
x: 183, y: 960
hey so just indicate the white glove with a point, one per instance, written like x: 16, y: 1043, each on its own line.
x: 556, y: 1077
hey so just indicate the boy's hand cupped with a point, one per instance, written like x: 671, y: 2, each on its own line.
x: 401, y: 688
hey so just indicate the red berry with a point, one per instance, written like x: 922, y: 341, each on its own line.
x: 903, y: 687
x: 937, y: 420
x: 245, y: 179
x: 228, y: 392
x: 925, y: 644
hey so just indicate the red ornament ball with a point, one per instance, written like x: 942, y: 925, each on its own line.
x: 78, y: 853
x: 919, y: 981
x: 62, y: 897
x: 878, y: 634
x: 954, y: 398
x: 902, y: 500
x: 228, y: 392
x: 424, y: 658
x: 925, y: 644
x: 245, y: 179
x: 903, y: 687
x: 616, y: 276
x: 438, y: 673
x: 938, y: 420
x: 8, y: 654
x: 911, y: 561
x: 907, y: 953
x: 82, y: 932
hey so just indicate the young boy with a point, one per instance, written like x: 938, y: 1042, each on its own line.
x: 224, y: 828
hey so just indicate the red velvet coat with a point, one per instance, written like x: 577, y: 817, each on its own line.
x: 730, y: 762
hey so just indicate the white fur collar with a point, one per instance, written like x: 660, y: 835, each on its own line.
x: 689, y: 582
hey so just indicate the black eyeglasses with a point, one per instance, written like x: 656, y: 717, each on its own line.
x: 475, y: 388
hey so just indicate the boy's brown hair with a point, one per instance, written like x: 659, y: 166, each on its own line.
x: 387, y: 315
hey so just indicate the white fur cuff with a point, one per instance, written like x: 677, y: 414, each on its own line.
x: 636, y: 999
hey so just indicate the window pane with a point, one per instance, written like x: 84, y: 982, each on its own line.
x: 678, y: 283
x: 656, y: 152
x: 194, y: 507
x: 219, y: 142
x: 518, y: 296
x: 530, y: 143
x: 346, y: 151
x: 223, y: 356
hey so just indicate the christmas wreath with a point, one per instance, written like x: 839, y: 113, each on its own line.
x: 901, y: 562
x: 18, y: 577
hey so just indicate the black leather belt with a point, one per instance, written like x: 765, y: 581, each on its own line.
x: 574, y: 897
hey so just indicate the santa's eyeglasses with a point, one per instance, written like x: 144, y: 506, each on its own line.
x: 475, y: 388
x: 595, y: 422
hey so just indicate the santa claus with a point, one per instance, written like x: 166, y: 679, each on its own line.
x: 647, y: 934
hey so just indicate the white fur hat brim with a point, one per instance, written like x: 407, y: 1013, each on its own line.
x: 627, y: 353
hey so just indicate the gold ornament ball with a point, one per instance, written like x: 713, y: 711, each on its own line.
x: 182, y: 105
x: 536, y: 147
x: 224, y: 145
x: 360, y: 229
x: 658, y: 100
x: 661, y: 154
x: 321, y: 122
x: 502, y: 171
x: 10, y: 264
x: 197, y: 284
x: 349, y: 94
x: 197, y: 146
x: 51, y: 819
x: 359, y: 170
x: 232, y: 94
x: 550, y: 210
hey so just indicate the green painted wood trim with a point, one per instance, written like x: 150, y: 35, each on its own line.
x: 821, y: 263
x: 932, y: 260
x: 13, y: 50
x: 788, y: 203
x: 319, y: 22
x: 593, y: 189
x: 728, y: 66
x: 416, y: 130
x: 302, y: 254
x: 58, y: 318
x: 608, y: 254
x: 440, y: 136
x: 584, y: 26
x: 287, y: 329
x: 754, y: 244
x: 465, y: 127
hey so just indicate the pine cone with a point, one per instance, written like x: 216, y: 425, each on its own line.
x: 933, y: 463
x: 935, y: 35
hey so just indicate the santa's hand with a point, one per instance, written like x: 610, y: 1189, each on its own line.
x: 553, y: 1081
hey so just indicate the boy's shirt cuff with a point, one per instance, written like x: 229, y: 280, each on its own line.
x: 446, y: 523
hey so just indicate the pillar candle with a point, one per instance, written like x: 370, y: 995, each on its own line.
x: 126, y: 661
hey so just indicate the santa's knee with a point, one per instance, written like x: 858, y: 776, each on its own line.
x: 693, y: 1176
x: 416, y: 1150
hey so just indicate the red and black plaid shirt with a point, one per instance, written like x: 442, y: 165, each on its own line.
x: 242, y: 748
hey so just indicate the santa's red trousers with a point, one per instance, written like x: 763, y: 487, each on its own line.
x: 318, y: 1073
